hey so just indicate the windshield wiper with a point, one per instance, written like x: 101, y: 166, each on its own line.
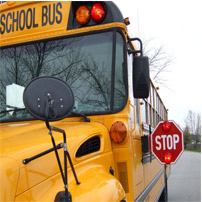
x: 12, y: 110
x: 86, y: 119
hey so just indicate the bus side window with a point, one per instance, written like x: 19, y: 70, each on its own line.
x: 137, y: 111
x: 144, y: 111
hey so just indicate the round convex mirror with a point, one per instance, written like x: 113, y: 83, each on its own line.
x: 48, y: 97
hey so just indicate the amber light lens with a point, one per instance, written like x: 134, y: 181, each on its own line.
x: 83, y: 15
x: 118, y: 132
x: 11, y: 3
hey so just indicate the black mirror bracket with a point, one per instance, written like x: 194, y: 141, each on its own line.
x: 49, y: 112
x: 136, y: 51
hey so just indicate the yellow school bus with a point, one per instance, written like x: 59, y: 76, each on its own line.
x: 77, y: 106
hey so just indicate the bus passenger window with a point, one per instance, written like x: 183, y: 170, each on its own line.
x: 137, y: 113
x: 150, y: 115
x: 144, y: 111
x: 143, y: 114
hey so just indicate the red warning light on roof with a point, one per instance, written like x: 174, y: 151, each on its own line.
x: 97, y: 12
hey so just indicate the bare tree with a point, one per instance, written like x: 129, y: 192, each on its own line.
x: 193, y: 121
x: 187, y: 136
x: 198, y: 127
x: 159, y: 61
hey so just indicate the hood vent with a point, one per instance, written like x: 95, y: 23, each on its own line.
x: 89, y: 146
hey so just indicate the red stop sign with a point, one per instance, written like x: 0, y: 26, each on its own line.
x: 167, y: 142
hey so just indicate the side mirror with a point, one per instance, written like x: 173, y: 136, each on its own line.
x: 48, y: 98
x: 141, y: 80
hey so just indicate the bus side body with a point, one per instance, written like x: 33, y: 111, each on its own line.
x: 44, y: 39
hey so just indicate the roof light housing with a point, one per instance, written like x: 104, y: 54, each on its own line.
x: 86, y: 12
x: 109, y: 13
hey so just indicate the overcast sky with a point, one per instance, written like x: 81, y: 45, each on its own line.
x: 175, y: 25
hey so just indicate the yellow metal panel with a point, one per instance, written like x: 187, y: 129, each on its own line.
x: 9, y: 174
x: 137, y: 169
x: 155, y: 190
x: 96, y: 183
x: 25, y: 139
x: 151, y: 170
x: 32, y: 19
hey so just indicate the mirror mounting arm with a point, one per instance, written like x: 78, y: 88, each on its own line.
x: 136, y: 51
x: 27, y: 160
x: 66, y: 153
x: 50, y: 112
x: 57, y: 155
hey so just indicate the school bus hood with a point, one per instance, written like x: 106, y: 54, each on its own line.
x: 19, y: 141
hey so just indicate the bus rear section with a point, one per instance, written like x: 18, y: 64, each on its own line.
x: 114, y: 108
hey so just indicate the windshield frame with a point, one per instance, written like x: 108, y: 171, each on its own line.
x: 113, y: 66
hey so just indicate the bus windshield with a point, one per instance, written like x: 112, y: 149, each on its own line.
x: 92, y: 65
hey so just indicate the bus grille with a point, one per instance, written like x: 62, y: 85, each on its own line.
x: 89, y: 146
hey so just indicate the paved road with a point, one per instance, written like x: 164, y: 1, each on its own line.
x: 184, y: 183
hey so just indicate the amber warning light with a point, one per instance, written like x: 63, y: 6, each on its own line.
x: 83, y: 15
x: 118, y: 132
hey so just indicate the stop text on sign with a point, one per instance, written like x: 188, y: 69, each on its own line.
x: 167, y: 142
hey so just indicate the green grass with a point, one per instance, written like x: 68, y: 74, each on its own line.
x: 193, y: 150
